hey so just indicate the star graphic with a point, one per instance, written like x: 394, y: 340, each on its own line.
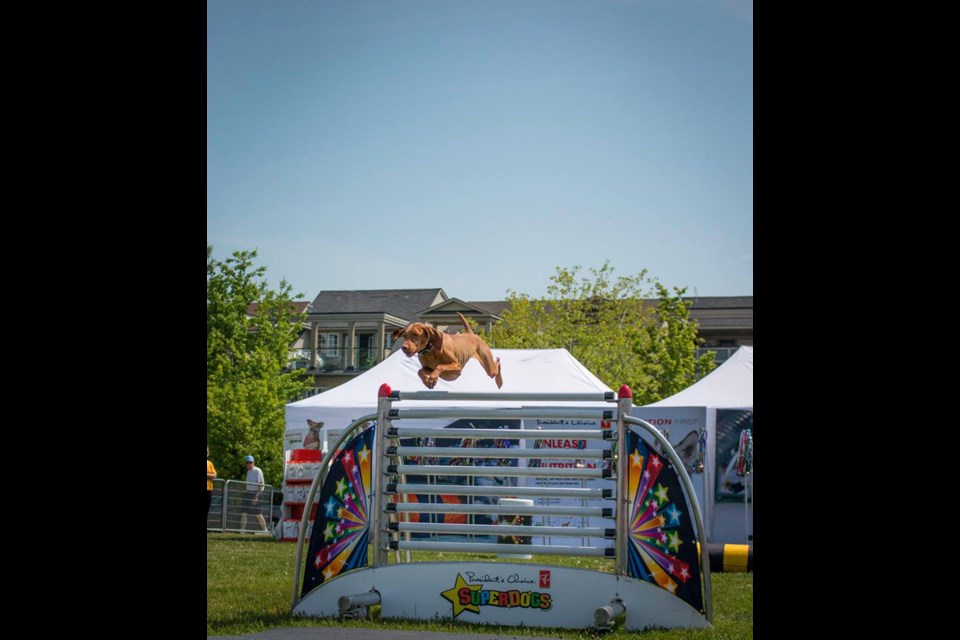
x: 331, y: 505
x: 328, y: 532
x: 328, y: 573
x: 655, y: 461
x: 347, y: 458
x: 451, y: 595
x: 341, y: 487
x: 674, y: 514
x: 684, y: 573
x: 635, y: 459
x: 661, y: 493
x: 364, y: 453
x: 671, y: 586
x: 674, y: 541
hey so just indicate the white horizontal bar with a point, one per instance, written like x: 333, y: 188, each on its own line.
x: 599, y: 396
x: 500, y: 472
x: 507, y: 509
x: 463, y: 490
x: 480, y: 547
x: 502, y: 530
x: 497, y: 452
x: 501, y: 434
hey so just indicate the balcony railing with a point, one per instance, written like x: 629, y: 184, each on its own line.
x: 722, y: 352
x: 336, y: 359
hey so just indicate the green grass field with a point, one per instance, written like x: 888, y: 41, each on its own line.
x: 250, y: 586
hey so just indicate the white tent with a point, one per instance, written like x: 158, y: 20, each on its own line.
x: 729, y: 386
x: 728, y: 389
x: 524, y: 371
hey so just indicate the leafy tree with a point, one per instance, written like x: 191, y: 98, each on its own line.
x: 247, y: 387
x: 605, y: 324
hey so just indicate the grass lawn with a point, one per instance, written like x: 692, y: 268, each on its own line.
x: 250, y: 586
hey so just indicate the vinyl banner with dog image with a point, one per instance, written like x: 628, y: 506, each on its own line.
x: 681, y: 426
x: 731, y: 481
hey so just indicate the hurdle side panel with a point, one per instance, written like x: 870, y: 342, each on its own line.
x: 565, y: 597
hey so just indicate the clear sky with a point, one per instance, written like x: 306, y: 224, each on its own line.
x: 475, y: 145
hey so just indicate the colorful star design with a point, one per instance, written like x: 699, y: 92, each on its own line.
x: 331, y: 505
x: 661, y: 493
x: 341, y: 487
x: 674, y: 541
x: 635, y: 459
x: 451, y: 595
x: 364, y: 453
x: 674, y: 514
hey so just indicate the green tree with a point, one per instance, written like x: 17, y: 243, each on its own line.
x: 605, y: 324
x: 247, y: 387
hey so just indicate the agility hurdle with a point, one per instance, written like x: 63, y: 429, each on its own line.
x: 652, y: 526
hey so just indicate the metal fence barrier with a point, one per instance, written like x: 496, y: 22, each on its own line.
x: 237, y: 508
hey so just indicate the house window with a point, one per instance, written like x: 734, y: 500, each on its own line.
x: 329, y: 343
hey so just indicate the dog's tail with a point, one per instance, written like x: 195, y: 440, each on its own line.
x: 465, y: 323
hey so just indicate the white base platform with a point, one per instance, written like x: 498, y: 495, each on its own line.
x: 503, y: 593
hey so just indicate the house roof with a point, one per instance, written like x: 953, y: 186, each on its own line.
x: 494, y: 307
x: 722, y: 302
x: 297, y: 306
x: 403, y: 303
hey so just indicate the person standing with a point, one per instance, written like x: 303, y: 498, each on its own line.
x: 254, y: 490
x: 211, y: 474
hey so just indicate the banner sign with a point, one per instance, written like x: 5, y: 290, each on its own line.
x: 530, y: 428
x: 730, y: 483
x: 681, y: 426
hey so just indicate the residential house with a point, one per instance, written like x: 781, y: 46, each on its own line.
x: 350, y: 331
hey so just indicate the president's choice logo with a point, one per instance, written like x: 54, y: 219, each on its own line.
x: 470, y: 597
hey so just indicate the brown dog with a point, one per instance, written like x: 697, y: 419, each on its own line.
x: 443, y: 355
x: 312, y: 439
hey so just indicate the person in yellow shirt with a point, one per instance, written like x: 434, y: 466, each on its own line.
x: 211, y: 474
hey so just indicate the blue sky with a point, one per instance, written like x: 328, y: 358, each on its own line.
x: 476, y: 145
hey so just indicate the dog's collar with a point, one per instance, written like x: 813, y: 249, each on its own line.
x: 426, y: 349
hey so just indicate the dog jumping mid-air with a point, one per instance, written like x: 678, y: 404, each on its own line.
x: 443, y: 355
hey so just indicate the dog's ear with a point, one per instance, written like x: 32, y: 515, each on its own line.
x: 312, y: 423
x: 436, y: 338
x: 397, y: 333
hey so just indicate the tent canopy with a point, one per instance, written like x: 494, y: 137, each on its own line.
x: 729, y: 386
x: 524, y: 371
